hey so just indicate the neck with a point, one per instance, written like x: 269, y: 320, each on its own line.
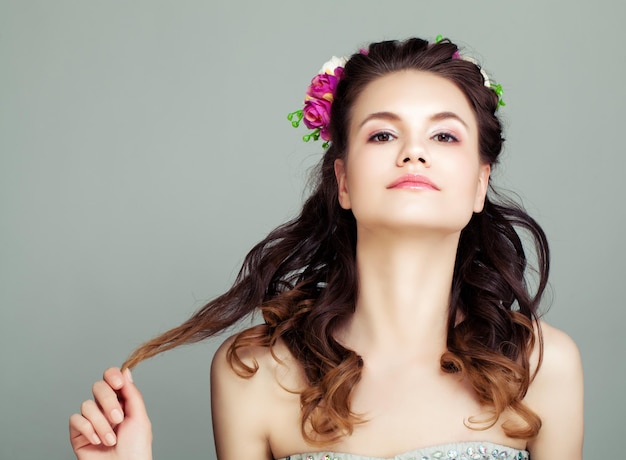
x: 404, y: 293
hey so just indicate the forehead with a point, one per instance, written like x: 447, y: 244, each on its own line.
x: 411, y: 94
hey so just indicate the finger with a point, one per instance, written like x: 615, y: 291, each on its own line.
x: 82, y: 432
x: 133, y: 401
x: 114, y: 377
x: 92, y: 413
x: 107, y: 399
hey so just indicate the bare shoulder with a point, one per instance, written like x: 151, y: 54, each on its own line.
x: 556, y: 395
x: 274, y: 367
x: 238, y: 404
x: 243, y: 405
x: 221, y: 367
x: 560, y: 360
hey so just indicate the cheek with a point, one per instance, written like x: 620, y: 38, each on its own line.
x: 361, y: 183
x: 465, y: 179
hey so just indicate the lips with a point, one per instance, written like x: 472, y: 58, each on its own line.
x: 413, y: 181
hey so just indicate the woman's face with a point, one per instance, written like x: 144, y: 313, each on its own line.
x: 412, y: 160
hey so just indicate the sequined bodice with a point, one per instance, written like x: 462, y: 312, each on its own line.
x: 454, y: 451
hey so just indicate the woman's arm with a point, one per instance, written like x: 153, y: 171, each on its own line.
x: 241, y: 407
x: 556, y: 395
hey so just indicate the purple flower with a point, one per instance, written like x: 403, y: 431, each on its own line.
x: 318, y: 100
x: 316, y: 113
x: 323, y: 86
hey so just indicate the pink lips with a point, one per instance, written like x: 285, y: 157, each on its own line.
x: 413, y: 181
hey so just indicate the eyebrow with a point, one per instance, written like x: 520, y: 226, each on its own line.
x: 446, y: 115
x: 394, y: 117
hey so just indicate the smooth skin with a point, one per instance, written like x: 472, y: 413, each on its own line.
x: 411, y: 123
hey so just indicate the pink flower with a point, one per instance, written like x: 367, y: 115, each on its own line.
x: 322, y: 87
x: 316, y: 113
x: 318, y: 100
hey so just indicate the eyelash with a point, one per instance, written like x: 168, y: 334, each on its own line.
x: 376, y: 137
x: 449, y: 137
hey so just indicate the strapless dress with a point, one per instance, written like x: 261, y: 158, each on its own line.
x: 452, y: 451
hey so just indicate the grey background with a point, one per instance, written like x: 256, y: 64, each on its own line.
x: 144, y: 149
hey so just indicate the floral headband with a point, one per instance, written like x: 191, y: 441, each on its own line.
x: 321, y: 92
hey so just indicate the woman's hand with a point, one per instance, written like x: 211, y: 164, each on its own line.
x: 115, y: 425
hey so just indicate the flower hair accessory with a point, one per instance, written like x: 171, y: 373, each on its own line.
x: 319, y: 97
x: 495, y: 87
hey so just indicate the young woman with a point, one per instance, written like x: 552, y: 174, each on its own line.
x: 398, y: 322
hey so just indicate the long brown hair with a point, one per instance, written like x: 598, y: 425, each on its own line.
x: 303, y: 280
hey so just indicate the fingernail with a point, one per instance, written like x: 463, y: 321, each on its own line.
x: 129, y: 375
x: 95, y: 439
x: 117, y: 416
x: 110, y: 439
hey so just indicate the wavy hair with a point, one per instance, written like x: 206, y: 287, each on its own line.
x: 303, y: 280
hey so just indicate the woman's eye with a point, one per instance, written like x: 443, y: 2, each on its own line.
x: 383, y: 136
x: 445, y: 137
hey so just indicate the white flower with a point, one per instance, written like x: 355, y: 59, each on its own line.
x: 330, y: 66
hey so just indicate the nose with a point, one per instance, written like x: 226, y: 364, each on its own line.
x: 413, y: 153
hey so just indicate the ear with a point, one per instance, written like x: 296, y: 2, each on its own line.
x: 482, y: 187
x: 342, y: 184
